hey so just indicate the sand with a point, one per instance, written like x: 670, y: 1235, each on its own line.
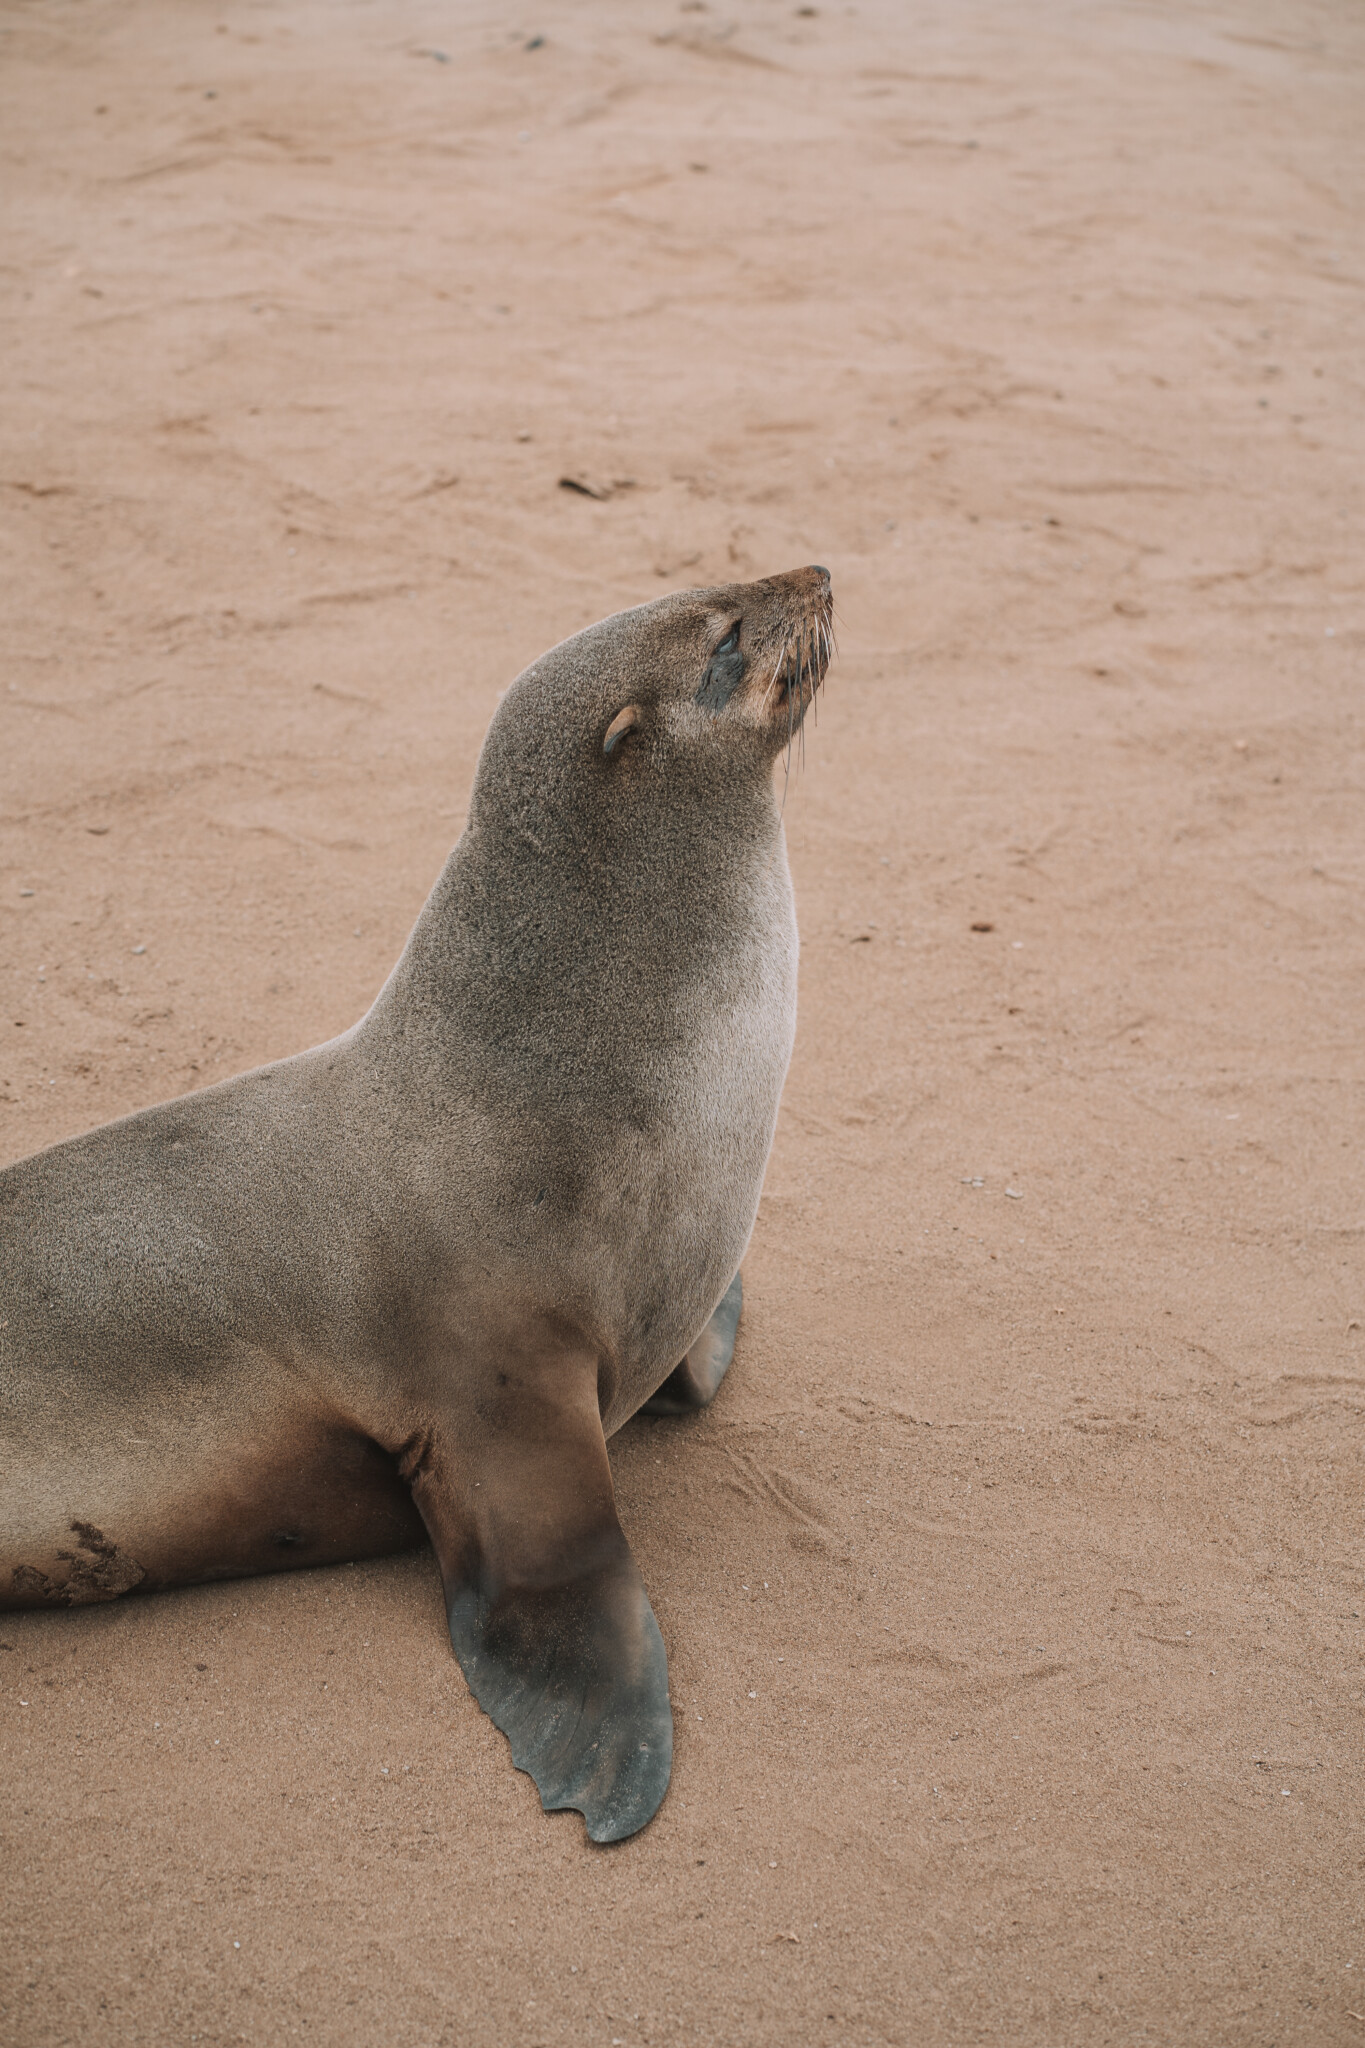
x: 1013, y: 1587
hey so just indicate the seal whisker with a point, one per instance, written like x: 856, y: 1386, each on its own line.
x: 796, y: 703
x: 787, y: 761
x: 772, y: 681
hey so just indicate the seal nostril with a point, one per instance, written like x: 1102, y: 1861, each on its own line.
x: 821, y: 570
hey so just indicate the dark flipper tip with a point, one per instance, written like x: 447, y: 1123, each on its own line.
x: 576, y: 1677
x: 693, y: 1384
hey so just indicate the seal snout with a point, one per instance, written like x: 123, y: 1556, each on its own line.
x: 801, y: 648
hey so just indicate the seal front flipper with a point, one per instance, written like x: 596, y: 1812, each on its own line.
x: 693, y: 1383
x: 548, y: 1613
x: 575, y: 1676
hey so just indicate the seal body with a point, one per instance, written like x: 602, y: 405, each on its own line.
x: 414, y: 1277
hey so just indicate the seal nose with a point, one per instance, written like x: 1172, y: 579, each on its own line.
x: 814, y: 573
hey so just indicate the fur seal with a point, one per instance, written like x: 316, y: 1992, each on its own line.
x: 413, y: 1278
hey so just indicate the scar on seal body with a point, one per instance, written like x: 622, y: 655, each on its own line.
x: 99, y: 1571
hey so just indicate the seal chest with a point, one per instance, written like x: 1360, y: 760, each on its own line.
x: 415, y: 1277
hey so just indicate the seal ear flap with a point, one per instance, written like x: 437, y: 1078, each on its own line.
x: 549, y: 1617
x: 624, y: 722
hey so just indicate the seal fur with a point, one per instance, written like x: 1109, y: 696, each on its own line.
x: 415, y: 1277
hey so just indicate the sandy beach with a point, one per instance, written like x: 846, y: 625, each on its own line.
x: 1012, y: 1587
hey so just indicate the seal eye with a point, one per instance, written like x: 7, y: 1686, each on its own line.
x: 625, y: 721
x: 724, y: 672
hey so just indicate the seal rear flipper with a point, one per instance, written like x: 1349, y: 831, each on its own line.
x: 693, y: 1383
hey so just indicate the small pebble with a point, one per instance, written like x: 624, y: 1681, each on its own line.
x: 1015, y: 1194
x: 139, y: 949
